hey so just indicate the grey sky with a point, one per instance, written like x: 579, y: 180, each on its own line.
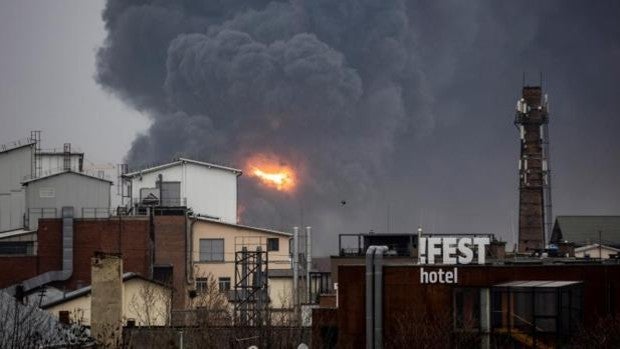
x: 47, y: 64
x: 442, y: 151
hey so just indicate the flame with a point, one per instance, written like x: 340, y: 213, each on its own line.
x: 271, y: 172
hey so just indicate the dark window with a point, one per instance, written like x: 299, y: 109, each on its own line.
x: 16, y: 247
x: 467, y: 308
x: 202, y: 285
x: 224, y: 284
x: 64, y: 317
x: 273, y: 244
x: 329, y: 334
x: 163, y: 274
x: 211, y: 250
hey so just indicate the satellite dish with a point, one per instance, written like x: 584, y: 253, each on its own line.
x: 252, y: 347
x: 302, y: 346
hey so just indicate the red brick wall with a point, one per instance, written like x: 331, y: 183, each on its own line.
x: 129, y: 236
x: 170, y: 249
x: 15, y: 269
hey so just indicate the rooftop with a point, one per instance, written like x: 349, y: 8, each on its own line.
x: 66, y: 172
x: 181, y: 161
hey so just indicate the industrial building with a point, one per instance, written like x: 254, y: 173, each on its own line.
x: 46, y: 196
x: 521, y: 303
x: 23, y: 161
x: 207, y: 189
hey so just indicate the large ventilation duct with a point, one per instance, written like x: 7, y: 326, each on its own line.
x: 67, y: 259
x: 374, y: 296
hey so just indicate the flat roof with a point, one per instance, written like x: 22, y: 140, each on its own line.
x: 538, y: 284
x: 66, y: 172
x: 180, y: 161
x: 262, y: 230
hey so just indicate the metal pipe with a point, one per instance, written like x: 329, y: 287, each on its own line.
x: 378, y: 306
x: 308, y: 261
x: 296, y: 272
x: 370, y: 256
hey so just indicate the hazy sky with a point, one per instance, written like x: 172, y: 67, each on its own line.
x: 47, y: 64
x: 416, y: 112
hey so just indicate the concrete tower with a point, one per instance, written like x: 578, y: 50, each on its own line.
x: 534, y: 181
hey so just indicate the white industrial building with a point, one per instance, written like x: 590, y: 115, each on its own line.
x: 22, y: 161
x: 16, y: 163
x: 207, y: 189
x: 46, y: 196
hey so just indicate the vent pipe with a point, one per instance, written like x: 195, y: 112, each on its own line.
x: 308, y: 261
x: 374, y: 296
x: 67, y: 258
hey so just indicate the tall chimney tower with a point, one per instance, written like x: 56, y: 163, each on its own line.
x: 534, y: 181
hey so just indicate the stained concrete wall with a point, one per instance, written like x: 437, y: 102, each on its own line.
x: 107, y: 299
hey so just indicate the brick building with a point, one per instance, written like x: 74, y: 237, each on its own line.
x: 127, y: 235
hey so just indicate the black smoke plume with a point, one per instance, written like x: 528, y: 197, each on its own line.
x: 401, y: 109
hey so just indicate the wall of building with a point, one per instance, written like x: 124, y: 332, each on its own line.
x: 170, y: 249
x: 235, y: 238
x: 87, y: 196
x: 145, y: 302
x: 15, y: 167
x: 594, y: 252
x: 405, y: 296
x: 281, y: 292
x: 208, y: 191
x: 128, y: 235
x: 54, y: 162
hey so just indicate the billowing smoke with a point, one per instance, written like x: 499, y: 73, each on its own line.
x: 403, y: 109
x: 325, y: 86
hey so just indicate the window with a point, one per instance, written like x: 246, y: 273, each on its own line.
x: 224, y: 284
x: 163, y: 273
x: 211, y: 250
x: 202, y: 285
x: 467, y: 308
x: 273, y: 244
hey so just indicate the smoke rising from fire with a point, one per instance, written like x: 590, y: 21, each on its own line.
x: 326, y: 86
x: 346, y: 93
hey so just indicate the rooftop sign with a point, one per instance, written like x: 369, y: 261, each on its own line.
x: 448, y: 251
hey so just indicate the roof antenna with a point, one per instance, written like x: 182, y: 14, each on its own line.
x: 541, y: 79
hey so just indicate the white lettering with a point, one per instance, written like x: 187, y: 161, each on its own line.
x: 481, y: 244
x: 465, y: 250
x: 449, y: 249
x: 432, y: 249
x: 440, y: 275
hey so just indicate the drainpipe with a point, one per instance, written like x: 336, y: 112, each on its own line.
x: 308, y: 261
x: 379, y: 251
x: 370, y: 259
x: 189, y: 246
x: 296, y: 272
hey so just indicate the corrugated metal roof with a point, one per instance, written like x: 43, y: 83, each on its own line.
x: 583, y: 230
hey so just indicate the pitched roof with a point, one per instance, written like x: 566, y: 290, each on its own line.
x: 66, y: 172
x: 584, y: 230
x: 261, y: 230
x: 87, y: 289
x: 181, y: 161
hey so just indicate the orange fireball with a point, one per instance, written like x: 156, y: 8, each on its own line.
x: 272, y: 172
